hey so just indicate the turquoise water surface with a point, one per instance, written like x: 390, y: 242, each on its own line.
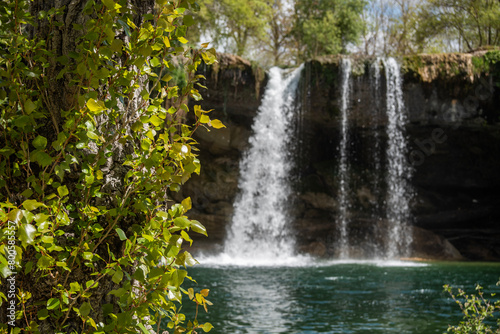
x: 338, y: 297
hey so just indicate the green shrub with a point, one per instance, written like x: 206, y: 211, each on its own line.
x: 476, y: 310
x: 91, y: 146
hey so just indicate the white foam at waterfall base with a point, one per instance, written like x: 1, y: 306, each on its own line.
x: 225, y: 260
x: 259, y: 233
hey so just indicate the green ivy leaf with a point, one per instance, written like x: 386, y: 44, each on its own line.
x: 43, y: 314
x: 117, y: 45
x: 118, y: 276
x: 27, y: 233
x: 48, y: 239
x: 29, y: 106
x: 182, y: 222
x: 15, y: 215
x: 62, y: 191
x: 92, y: 135
x: 204, y: 119
x: 4, y: 267
x: 186, y: 203
x: 7, y: 151
x: 85, y: 309
x: 27, y: 193
x: 189, y: 259
x: 43, y: 159
x: 186, y: 237
x: 22, y: 121
x: 95, y: 106
x: 41, y: 218
x: 74, y: 287
x: 52, y: 303
x: 155, y: 62
x: 28, y: 267
x: 31, y: 204
x: 198, y: 227
x: 155, y: 120
x: 118, y: 293
x: 215, y: 123
x: 90, y: 283
x: 45, y: 262
x: 121, y: 234
x: 40, y: 142
x: 207, y: 327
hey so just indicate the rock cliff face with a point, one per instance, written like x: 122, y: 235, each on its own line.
x: 453, y: 106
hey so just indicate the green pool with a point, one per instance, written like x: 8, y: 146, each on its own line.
x: 338, y: 297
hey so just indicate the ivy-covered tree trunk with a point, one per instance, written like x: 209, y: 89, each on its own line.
x: 62, y: 33
x: 89, y: 153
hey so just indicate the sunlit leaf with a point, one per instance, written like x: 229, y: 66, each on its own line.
x: 62, y: 191
x: 215, y: 123
x: 27, y: 233
x: 198, y: 227
x: 207, y: 327
x: 31, y: 204
x: 95, y: 106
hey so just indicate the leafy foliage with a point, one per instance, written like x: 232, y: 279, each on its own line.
x: 99, y: 247
x: 471, y: 24
x: 235, y: 23
x: 489, y: 62
x: 476, y: 309
x: 278, y: 29
x: 327, y: 26
x: 288, y: 32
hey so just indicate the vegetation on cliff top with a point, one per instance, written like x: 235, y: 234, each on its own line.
x: 284, y: 32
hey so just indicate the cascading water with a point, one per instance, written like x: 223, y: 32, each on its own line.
x: 259, y: 224
x: 398, y: 170
x: 375, y: 125
x: 259, y: 232
x: 343, y: 193
x: 376, y: 172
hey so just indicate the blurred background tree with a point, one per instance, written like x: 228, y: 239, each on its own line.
x: 287, y: 32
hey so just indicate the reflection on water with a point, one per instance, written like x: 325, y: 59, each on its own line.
x: 256, y: 298
x: 362, y: 297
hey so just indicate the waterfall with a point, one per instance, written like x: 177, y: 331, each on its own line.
x: 377, y: 172
x: 392, y: 176
x: 343, y: 192
x: 398, y: 170
x: 375, y: 125
x: 259, y: 232
x: 259, y: 227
